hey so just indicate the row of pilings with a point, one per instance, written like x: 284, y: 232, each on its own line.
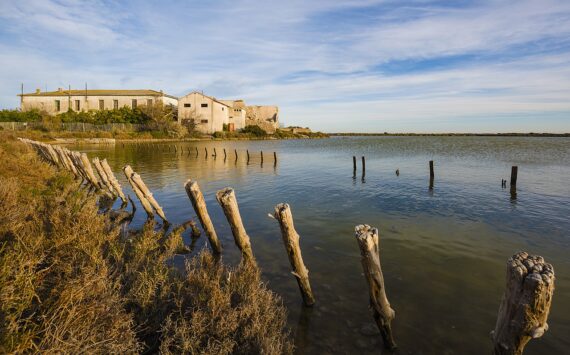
x: 524, y: 307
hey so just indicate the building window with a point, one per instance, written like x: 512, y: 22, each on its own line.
x: 203, y: 121
x: 116, y: 104
x: 77, y: 105
x: 149, y: 102
x: 223, y: 108
x: 101, y: 104
x: 57, y: 105
x: 187, y: 105
x: 204, y: 105
x: 134, y: 103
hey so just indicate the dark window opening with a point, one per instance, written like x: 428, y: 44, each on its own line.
x: 223, y: 108
x: 204, y: 105
x: 77, y: 105
x: 203, y: 121
x: 187, y: 105
x: 57, y: 105
x: 101, y: 104
x: 134, y: 103
x: 116, y: 104
x: 149, y: 102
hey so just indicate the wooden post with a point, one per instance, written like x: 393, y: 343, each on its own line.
x: 227, y: 199
x: 199, y: 204
x: 369, y: 243
x: 354, y: 165
x: 431, y: 174
x: 363, y: 166
x: 225, y: 155
x: 514, y: 174
x: 274, y: 159
x: 262, y: 157
x: 291, y: 241
x: 215, y: 154
x: 113, y: 180
x: 89, y: 170
x: 525, y: 305
x: 235, y: 151
x: 103, y: 175
x: 148, y: 195
x: 196, y: 152
x: 247, y: 152
x: 144, y: 202
x: 206, y: 150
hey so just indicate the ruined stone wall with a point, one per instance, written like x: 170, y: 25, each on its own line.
x: 266, y: 117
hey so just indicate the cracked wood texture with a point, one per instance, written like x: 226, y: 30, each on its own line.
x: 144, y: 202
x: 525, y: 305
x: 368, y: 241
x: 197, y: 198
x: 291, y: 241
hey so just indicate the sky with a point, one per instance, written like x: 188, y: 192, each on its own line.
x: 334, y: 66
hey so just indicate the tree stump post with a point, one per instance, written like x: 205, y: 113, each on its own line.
x: 195, y: 195
x: 368, y: 241
x: 525, y: 304
x: 291, y: 241
x: 104, y: 179
x: 227, y: 199
x: 113, y: 180
x: 89, y: 170
x: 148, y: 195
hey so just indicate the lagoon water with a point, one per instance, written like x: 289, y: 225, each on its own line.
x: 443, y: 250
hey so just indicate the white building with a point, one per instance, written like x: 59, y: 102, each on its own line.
x: 54, y: 102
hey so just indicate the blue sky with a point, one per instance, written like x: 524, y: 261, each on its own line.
x: 359, y: 66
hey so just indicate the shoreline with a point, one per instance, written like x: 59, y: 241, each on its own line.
x: 449, y: 134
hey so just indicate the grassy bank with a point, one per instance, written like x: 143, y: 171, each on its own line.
x: 72, y: 282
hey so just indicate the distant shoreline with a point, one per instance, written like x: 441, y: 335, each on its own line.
x: 450, y: 134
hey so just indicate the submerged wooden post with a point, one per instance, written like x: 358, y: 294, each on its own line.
x: 363, y: 166
x: 199, y: 204
x: 196, y: 151
x: 247, y: 152
x: 525, y: 305
x: 225, y: 155
x: 354, y: 165
x: 227, y: 199
x: 262, y: 157
x: 215, y: 154
x: 369, y: 243
x: 431, y: 174
x: 291, y: 241
x: 144, y: 202
x: 235, y: 151
x: 206, y: 150
x: 274, y: 159
x: 514, y: 174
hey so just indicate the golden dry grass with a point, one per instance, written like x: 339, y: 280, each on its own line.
x: 71, y: 283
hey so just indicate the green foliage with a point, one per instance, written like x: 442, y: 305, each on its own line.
x: 120, y: 115
x: 254, y: 130
x: 19, y: 116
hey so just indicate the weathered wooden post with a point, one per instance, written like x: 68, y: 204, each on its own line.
x: 247, y: 152
x: 514, y: 174
x: 113, y: 180
x: 525, y: 305
x: 144, y: 202
x: 274, y: 159
x: 199, y: 204
x: 103, y: 176
x: 262, y: 157
x: 196, y: 152
x: 363, y: 166
x: 354, y: 165
x: 227, y: 199
x: 369, y: 243
x: 89, y: 170
x: 215, y: 154
x: 291, y: 241
x: 225, y: 155
x: 148, y: 195
x: 206, y: 150
x: 431, y: 174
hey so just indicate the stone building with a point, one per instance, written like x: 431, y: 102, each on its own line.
x: 54, y: 102
x: 206, y: 113
x: 266, y: 117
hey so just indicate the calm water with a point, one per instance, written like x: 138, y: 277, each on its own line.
x: 443, y: 251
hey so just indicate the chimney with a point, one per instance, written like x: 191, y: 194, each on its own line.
x: 38, y: 91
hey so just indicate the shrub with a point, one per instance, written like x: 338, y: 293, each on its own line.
x: 20, y: 116
x: 254, y: 130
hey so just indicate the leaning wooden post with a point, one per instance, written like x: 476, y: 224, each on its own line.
x: 113, y: 180
x: 514, y: 174
x: 368, y: 241
x: 144, y: 202
x: 89, y: 171
x: 235, y: 152
x: 291, y: 241
x: 225, y: 155
x: 199, y: 204
x: 103, y: 176
x: 274, y: 159
x: 148, y: 195
x: 227, y: 199
x: 525, y: 305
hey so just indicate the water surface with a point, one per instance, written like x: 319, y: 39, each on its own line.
x: 443, y: 250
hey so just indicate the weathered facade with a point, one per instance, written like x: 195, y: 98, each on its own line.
x: 266, y: 117
x: 237, y: 114
x: 208, y: 114
x: 55, y: 102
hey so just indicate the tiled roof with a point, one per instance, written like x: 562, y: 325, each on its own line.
x: 100, y: 93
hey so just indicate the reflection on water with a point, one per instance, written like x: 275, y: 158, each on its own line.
x: 444, y: 241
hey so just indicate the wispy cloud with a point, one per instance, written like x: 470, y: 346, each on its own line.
x: 334, y: 65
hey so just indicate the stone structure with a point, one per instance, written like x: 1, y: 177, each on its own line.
x: 54, y: 102
x: 208, y: 114
x: 236, y: 114
x: 266, y: 117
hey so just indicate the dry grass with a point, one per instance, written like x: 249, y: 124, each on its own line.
x: 71, y: 283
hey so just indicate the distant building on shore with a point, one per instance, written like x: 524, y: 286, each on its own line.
x: 55, y: 102
x: 209, y: 114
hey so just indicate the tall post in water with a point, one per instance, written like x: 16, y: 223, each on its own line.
x: 354, y: 165
x: 206, y: 150
x: 525, y: 304
x: 363, y: 166
x: 235, y: 151
x: 274, y: 159
x: 262, y: 157
x: 369, y: 243
x: 431, y: 174
x: 514, y: 173
x: 225, y: 154
x: 247, y: 152
x: 199, y: 204
x: 215, y: 154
